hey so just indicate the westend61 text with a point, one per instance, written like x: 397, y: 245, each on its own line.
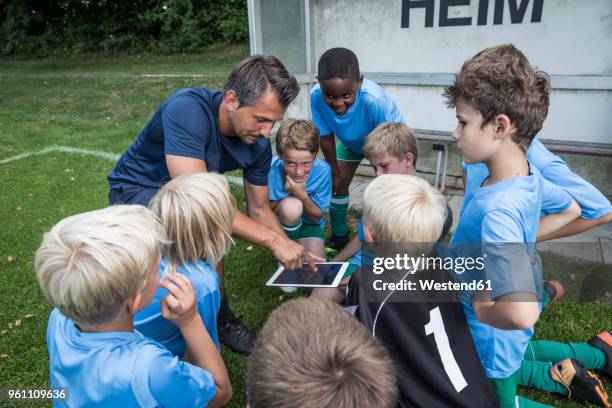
x: 429, y: 285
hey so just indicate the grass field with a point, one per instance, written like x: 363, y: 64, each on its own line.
x: 100, y: 104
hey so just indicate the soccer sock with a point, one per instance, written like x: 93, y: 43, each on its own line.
x: 338, y: 209
x: 292, y: 230
x: 523, y: 402
x: 536, y: 374
x: 553, y: 351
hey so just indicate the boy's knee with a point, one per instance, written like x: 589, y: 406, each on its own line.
x: 290, y: 210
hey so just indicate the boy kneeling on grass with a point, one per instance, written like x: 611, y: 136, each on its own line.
x: 300, y: 186
x: 99, y: 269
x: 312, y: 354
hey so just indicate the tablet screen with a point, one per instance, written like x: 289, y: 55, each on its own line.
x: 324, y: 276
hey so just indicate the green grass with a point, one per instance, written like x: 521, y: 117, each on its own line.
x: 54, y: 102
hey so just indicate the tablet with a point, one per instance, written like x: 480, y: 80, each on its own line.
x: 328, y: 275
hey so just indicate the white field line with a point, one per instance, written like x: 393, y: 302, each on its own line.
x: 96, y: 153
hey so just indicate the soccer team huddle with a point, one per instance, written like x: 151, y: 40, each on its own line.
x: 140, y: 305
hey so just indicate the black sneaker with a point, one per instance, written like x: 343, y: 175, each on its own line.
x: 236, y: 335
x: 603, y: 341
x: 581, y: 384
x: 336, y: 242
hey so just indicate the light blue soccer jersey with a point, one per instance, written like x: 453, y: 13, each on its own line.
x: 592, y: 202
x: 318, y: 185
x: 205, y: 282
x: 502, y: 219
x: 120, y: 369
x: 372, y: 107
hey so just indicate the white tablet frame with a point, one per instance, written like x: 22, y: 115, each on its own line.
x: 334, y: 284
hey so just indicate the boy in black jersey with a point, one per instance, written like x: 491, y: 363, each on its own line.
x: 427, y: 337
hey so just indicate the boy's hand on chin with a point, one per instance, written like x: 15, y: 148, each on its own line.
x: 298, y: 189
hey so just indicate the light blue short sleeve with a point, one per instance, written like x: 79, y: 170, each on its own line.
x: 385, y: 110
x: 591, y: 201
x: 316, y: 103
x: 554, y: 198
x: 276, y: 181
x: 507, y: 257
x: 322, y: 187
x: 175, y: 383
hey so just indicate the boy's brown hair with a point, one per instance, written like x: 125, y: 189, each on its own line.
x: 297, y: 134
x: 311, y: 353
x: 499, y: 80
x: 394, y: 139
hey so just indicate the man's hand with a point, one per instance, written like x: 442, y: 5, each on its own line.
x: 291, y: 254
x: 180, y: 305
x: 297, y: 189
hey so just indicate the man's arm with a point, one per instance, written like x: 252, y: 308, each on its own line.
x: 179, y: 165
x: 258, y: 207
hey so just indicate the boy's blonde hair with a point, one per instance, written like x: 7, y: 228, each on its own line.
x: 393, y: 139
x: 197, y: 211
x: 89, y: 264
x: 297, y: 134
x: 499, y: 80
x: 311, y: 353
x: 399, y: 208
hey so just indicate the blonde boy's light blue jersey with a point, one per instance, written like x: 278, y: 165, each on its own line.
x: 205, y: 282
x: 120, y: 369
x: 372, y: 107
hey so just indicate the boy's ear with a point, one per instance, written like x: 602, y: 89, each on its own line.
x: 503, y: 126
x: 231, y: 100
x: 409, y: 157
x: 133, y: 302
x: 360, y: 81
x: 369, y: 235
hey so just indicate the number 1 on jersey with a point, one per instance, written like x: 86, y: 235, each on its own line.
x: 436, y: 327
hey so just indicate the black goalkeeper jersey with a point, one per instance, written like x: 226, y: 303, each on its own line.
x: 431, y: 347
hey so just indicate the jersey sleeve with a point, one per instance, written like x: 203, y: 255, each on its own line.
x: 592, y: 202
x: 186, y: 128
x: 257, y: 173
x: 276, y: 181
x: 175, y: 383
x: 323, y: 190
x: 506, y: 256
x: 316, y: 101
x: 554, y: 198
x: 384, y: 110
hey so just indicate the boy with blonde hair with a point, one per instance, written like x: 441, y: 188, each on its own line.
x: 196, y: 211
x: 98, y: 269
x: 300, y: 185
x: 312, y: 354
x: 391, y: 148
x: 501, y: 103
x: 427, y: 337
